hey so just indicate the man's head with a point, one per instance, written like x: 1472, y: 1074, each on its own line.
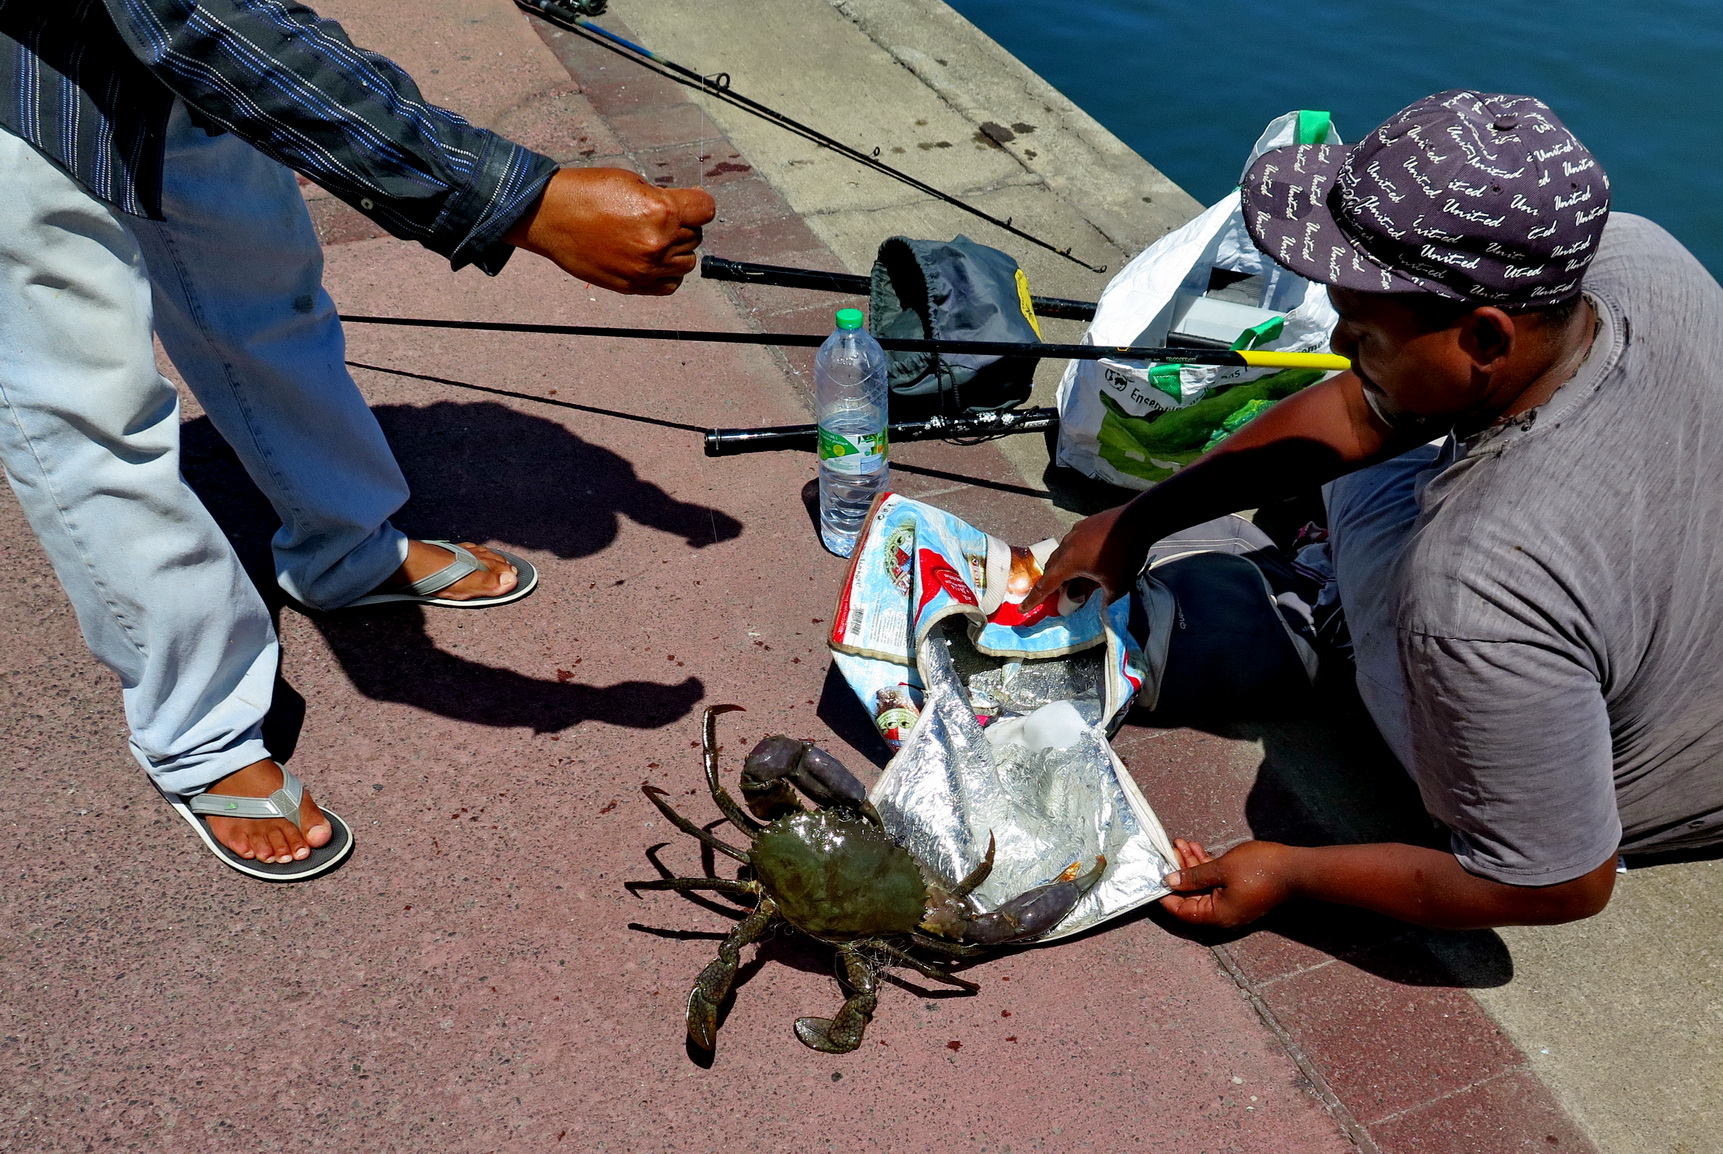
x: 1433, y: 358
x: 1454, y: 240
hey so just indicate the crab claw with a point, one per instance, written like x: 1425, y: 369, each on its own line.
x: 765, y: 777
x: 779, y: 762
x: 1034, y: 911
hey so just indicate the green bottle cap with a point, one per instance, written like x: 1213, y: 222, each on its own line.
x: 850, y: 318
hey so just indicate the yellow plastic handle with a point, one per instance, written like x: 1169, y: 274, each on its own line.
x: 1328, y: 362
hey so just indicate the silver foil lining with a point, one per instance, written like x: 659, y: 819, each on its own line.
x: 949, y: 788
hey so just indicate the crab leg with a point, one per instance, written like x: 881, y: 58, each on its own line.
x: 726, y: 803
x: 941, y: 946
x: 713, y: 984
x: 843, y: 1033
x: 722, y: 885
x: 925, y: 969
x: 977, y: 875
x: 656, y: 796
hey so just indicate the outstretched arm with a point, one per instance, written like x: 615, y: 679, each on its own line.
x: 292, y: 85
x: 1302, y: 441
x: 1416, y: 884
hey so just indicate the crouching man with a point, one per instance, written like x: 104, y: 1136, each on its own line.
x: 1525, y: 507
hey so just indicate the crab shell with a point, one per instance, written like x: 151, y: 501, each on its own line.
x: 837, y: 877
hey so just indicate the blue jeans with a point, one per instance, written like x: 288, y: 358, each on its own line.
x: 231, y: 282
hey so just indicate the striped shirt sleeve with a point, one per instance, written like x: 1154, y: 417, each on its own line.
x: 293, y: 85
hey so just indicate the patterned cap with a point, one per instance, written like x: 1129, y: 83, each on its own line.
x: 1472, y: 196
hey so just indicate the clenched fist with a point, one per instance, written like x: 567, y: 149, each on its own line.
x: 611, y: 228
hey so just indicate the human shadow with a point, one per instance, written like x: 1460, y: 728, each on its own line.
x: 1327, y: 778
x: 482, y: 472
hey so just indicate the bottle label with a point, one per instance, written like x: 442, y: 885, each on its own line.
x: 858, y: 454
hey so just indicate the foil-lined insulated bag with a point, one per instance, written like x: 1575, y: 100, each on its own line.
x: 1000, y: 719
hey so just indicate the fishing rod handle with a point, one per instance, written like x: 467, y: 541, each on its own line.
x: 775, y: 439
x: 805, y: 438
x: 782, y: 276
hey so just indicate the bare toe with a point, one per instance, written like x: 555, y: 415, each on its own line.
x: 314, y: 827
x: 499, y: 577
x: 297, y: 850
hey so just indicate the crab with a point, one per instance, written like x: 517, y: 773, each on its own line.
x: 834, y: 874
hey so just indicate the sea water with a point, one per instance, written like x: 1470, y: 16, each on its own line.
x: 1189, y: 86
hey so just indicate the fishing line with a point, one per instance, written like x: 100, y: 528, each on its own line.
x: 571, y: 18
x: 698, y: 104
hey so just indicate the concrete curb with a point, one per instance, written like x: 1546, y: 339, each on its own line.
x: 1125, y: 197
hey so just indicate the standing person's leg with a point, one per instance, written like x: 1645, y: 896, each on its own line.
x: 1371, y: 516
x: 241, y: 310
x: 89, y: 436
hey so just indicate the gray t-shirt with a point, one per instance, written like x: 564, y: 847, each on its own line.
x: 1560, y: 621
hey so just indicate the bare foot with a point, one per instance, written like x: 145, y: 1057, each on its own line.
x: 424, y: 559
x: 272, y: 840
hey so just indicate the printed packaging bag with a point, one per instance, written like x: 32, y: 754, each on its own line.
x: 1000, y: 719
x: 1132, y: 423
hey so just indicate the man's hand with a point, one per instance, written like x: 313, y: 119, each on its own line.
x: 611, y: 228
x: 1239, y: 886
x: 1417, y: 884
x: 1093, y: 554
x: 1298, y: 443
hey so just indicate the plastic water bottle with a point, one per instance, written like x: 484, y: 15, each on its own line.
x: 850, y: 394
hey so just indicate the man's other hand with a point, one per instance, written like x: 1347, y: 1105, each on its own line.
x: 1093, y: 554
x: 1237, y: 887
x: 611, y: 228
x: 1417, y: 884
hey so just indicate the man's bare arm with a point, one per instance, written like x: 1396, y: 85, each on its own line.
x: 1300, y: 442
x: 1416, y: 884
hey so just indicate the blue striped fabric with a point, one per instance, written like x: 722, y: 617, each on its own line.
x: 90, y: 83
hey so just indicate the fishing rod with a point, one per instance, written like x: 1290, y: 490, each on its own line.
x: 572, y: 17
x: 1224, y: 358
x: 782, y: 276
x: 778, y: 438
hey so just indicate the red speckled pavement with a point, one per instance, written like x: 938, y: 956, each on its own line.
x: 475, y: 979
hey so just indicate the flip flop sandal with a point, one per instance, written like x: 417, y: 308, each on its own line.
x: 424, y: 590
x: 284, y: 802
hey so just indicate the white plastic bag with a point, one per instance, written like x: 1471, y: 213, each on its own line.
x: 1114, y: 415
